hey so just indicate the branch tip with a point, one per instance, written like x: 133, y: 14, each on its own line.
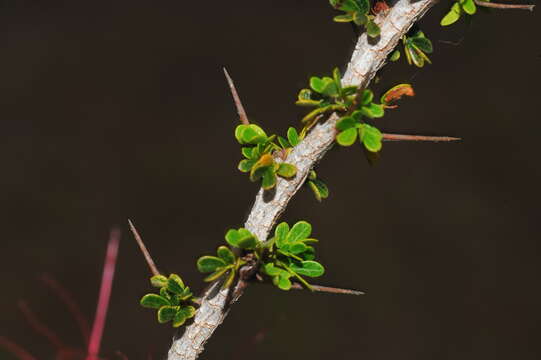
x: 144, y: 250
x: 238, y: 104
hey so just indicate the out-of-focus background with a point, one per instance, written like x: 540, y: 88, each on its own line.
x: 119, y: 109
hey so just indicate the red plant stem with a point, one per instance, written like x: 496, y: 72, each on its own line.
x: 66, y: 297
x: 401, y: 137
x: 40, y: 327
x: 104, y: 296
x: 15, y: 349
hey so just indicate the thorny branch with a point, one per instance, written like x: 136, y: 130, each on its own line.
x: 503, y: 6
x: 366, y: 60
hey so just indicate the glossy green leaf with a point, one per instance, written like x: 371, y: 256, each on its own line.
x: 158, y: 281
x: 300, y: 231
x: 286, y: 170
x: 343, y: 18
x: 259, y: 169
x: 468, y: 6
x: 347, y: 137
x: 371, y: 137
x: 337, y: 77
x: 308, y: 268
x: 395, y: 55
x: 226, y: 254
x: 360, y: 18
x: 280, y: 234
x: 188, y: 311
x: 293, y: 136
x: 422, y: 43
x: 452, y: 16
x: 346, y: 122
x: 246, y: 165
x: 217, y: 274
x: 330, y: 88
x: 186, y: 294
x: 248, y: 242
x: 319, y: 188
x: 250, y: 134
x: 269, y: 179
x: 373, y: 110
x: 246, y: 152
x: 283, y: 142
x: 305, y: 98
x: 154, y: 301
x: 317, y: 84
x: 282, y: 282
x: 297, y: 248
x: 367, y: 97
x: 206, y: 264
x: 179, y: 319
x: 167, y: 313
x: 372, y: 29
x: 175, y: 284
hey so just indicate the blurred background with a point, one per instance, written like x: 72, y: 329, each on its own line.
x: 119, y: 109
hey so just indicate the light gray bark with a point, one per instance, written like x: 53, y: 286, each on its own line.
x: 367, y: 59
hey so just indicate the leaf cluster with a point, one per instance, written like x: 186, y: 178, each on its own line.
x: 326, y: 94
x: 416, y: 47
x: 289, y: 254
x: 226, y: 264
x: 356, y: 11
x: 458, y: 9
x: 258, y: 151
x: 172, y: 302
x: 352, y: 126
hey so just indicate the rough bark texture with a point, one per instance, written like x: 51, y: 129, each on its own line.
x: 368, y: 57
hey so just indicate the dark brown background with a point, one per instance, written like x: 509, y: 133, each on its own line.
x: 117, y: 109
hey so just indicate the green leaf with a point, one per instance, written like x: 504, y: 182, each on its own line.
x: 248, y: 242
x: 293, y: 136
x: 347, y: 137
x: 414, y: 56
x: 246, y: 152
x: 232, y: 237
x: 226, y: 255
x: 186, y: 294
x: 349, y: 90
x: 360, y: 18
x: 308, y: 268
x: 363, y: 6
x: 297, y: 248
x: 330, y: 88
x: 319, y: 188
x: 337, y: 77
x: 373, y: 110
x: 422, y: 43
x: 371, y: 137
x: 250, y: 134
x: 468, y: 6
x: 343, y: 18
x: 154, y: 301
x: 246, y: 165
x: 367, y: 97
x: 283, y: 142
x: 286, y: 170
x: 282, y: 282
x: 217, y: 274
x: 346, y: 122
x: 305, y: 98
x: 158, y: 281
x: 269, y: 179
x: 206, y: 264
x: 317, y: 84
x: 167, y: 313
x: 259, y: 169
x: 300, y: 231
x: 280, y: 234
x: 395, y: 55
x: 372, y: 29
x: 175, y: 284
x: 188, y: 311
x: 179, y: 319
x: 452, y: 16
x: 271, y: 270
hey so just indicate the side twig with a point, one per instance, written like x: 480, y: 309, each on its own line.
x: 328, y: 289
x: 401, y: 137
x: 236, y: 98
x: 144, y: 250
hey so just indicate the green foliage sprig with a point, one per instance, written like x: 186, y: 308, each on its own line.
x: 173, y: 301
x: 356, y: 11
x: 416, y: 47
x: 258, y: 150
x: 290, y: 254
x: 459, y: 7
x: 319, y: 188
